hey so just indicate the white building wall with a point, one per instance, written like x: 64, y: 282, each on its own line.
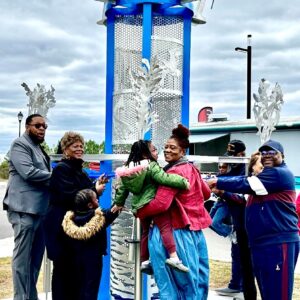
x: 290, y: 140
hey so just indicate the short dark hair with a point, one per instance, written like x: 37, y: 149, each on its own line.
x: 82, y: 199
x: 29, y: 118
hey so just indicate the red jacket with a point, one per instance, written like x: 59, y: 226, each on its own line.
x: 187, y: 209
x: 298, y: 210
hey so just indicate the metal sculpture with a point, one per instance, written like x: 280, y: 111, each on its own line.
x: 147, y: 94
x: 40, y: 100
x: 267, y: 109
x: 146, y: 83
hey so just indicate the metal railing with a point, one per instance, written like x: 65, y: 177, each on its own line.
x: 192, y: 158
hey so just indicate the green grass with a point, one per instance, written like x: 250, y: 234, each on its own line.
x: 5, y: 278
x: 220, y: 273
x: 219, y: 276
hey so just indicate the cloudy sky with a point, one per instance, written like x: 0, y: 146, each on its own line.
x: 58, y: 42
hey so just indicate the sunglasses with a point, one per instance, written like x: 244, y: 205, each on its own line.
x: 223, y: 167
x: 270, y: 152
x: 39, y: 125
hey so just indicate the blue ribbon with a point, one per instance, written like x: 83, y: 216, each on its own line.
x: 135, y: 7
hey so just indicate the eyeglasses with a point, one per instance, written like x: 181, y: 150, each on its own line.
x: 39, y: 125
x: 270, y: 152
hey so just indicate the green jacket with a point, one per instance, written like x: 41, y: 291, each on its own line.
x: 143, y: 184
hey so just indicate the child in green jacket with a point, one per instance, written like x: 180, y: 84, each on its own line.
x: 141, y: 176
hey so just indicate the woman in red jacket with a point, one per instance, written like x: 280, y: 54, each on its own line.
x: 189, y: 217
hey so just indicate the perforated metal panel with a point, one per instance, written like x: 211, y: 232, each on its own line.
x: 167, y: 47
x: 128, y: 57
x: 169, y: 107
x: 168, y: 27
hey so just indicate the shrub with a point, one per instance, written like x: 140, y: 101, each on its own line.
x: 4, y: 170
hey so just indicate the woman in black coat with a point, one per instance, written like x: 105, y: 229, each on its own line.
x: 68, y: 177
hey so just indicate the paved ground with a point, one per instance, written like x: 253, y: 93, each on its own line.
x: 5, y: 227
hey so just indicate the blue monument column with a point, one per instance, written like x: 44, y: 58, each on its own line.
x: 141, y: 32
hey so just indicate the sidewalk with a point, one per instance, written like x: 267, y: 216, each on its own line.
x: 6, y: 247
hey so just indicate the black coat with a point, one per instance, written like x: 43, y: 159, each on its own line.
x: 67, y: 179
x: 87, y: 256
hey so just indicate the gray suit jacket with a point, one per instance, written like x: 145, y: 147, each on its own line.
x: 29, y: 177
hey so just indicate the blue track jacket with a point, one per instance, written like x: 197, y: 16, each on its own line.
x: 272, y: 218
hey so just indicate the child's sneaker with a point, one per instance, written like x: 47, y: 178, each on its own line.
x: 232, y: 237
x: 177, y: 264
x: 146, y: 267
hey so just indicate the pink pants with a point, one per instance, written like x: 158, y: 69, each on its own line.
x: 163, y: 222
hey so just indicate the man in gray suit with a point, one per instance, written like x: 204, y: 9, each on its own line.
x: 26, y: 202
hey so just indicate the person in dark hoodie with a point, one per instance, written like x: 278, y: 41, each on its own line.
x: 86, y: 229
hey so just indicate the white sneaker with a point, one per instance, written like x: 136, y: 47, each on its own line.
x: 177, y: 265
x: 146, y: 267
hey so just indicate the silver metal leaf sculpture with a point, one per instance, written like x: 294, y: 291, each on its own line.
x: 145, y: 84
x: 40, y: 100
x: 267, y: 107
x: 170, y: 65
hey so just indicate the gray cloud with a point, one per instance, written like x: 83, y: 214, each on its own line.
x: 218, y: 75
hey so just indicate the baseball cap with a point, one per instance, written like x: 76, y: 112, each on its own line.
x: 234, y: 147
x: 272, y: 145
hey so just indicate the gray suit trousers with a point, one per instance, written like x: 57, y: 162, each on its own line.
x: 28, y: 253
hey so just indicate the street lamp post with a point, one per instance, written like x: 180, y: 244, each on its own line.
x: 248, y: 50
x: 20, y: 117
